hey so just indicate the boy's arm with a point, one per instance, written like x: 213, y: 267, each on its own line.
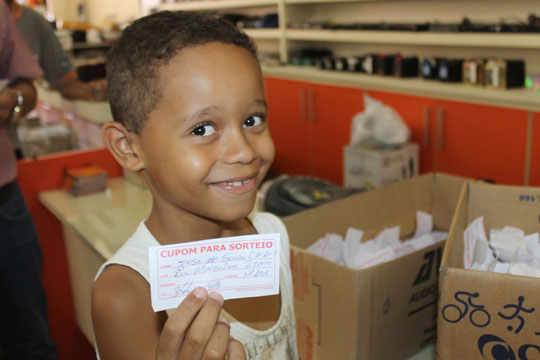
x: 126, y: 327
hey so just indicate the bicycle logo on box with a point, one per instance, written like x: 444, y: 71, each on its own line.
x: 490, y: 346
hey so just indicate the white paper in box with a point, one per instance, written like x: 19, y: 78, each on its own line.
x: 483, y: 314
x: 384, y: 312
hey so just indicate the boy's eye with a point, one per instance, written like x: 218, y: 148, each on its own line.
x: 254, y: 120
x: 204, y: 130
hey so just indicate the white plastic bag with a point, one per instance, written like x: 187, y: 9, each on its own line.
x: 379, y: 125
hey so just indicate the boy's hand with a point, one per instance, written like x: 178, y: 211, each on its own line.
x: 195, y: 331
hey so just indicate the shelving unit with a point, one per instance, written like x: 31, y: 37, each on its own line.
x: 264, y: 34
x: 217, y: 4
x: 509, y: 41
x: 515, y: 98
x: 297, y: 2
x: 358, y: 42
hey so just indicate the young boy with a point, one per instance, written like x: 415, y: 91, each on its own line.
x: 187, y: 96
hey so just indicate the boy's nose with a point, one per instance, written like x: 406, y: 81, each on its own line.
x: 237, y: 148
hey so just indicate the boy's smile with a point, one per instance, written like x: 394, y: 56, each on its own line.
x: 206, y: 146
x: 237, y: 186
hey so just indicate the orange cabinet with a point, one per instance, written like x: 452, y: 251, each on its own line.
x: 289, y: 126
x: 479, y: 141
x: 471, y: 140
x: 535, y: 151
x: 310, y: 124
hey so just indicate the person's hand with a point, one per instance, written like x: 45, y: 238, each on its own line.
x: 99, y: 88
x: 8, y: 100
x: 196, y: 331
x: 75, y: 89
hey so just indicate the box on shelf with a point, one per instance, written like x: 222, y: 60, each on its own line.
x: 383, y: 312
x: 479, y: 311
x: 84, y: 180
x: 368, y: 167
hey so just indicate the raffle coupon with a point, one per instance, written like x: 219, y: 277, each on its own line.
x: 236, y: 267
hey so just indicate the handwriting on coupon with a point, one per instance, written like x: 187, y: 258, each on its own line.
x: 236, y: 267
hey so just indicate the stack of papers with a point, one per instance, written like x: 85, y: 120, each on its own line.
x: 386, y: 246
x: 508, y: 250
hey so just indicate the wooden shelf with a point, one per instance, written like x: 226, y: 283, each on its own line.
x: 295, y: 2
x: 476, y: 40
x: 86, y: 45
x: 506, y: 42
x: 514, y: 98
x: 264, y: 34
x: 217, y: 4
x: 523, y: 41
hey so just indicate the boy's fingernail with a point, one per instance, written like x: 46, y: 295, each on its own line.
x: 216, y: 296
x: 223, y: 320
x: 200, y: 293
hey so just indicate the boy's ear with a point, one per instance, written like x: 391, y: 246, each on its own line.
x: 122, y: 143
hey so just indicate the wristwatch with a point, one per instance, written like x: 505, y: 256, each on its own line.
x: 17, y: 109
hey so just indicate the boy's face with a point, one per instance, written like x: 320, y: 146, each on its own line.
x: 206, y: 146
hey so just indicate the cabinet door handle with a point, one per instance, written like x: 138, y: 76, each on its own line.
x: 303, y: 103
x: 440, y: 131
x: 426, y: 126
x: 311, y: 104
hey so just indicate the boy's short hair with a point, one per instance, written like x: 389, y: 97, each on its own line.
x: 150, y: 43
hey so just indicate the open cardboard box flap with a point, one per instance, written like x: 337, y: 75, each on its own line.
x: 481, y: 312
x: 384, y: 312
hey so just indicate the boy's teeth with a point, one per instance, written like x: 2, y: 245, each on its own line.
x: 238, y: 183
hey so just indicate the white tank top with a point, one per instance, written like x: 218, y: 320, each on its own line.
x: 277, y: 342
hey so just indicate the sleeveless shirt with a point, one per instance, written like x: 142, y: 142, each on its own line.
x: 276, y: 342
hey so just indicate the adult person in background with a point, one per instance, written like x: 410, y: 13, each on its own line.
x: 24, y: 328
x: 55, y: 62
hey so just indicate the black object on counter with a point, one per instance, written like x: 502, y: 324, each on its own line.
x: 308, y: 56
x: 430, y: 68
x: 341, y: 64
x: 406, y: 66
x: 385, y: 64
x: 515, y: 74
x: 355, y: 63
x: 289, y: 195
x: 451, y: 70
x: 370, y: 63
x: 326, y: 63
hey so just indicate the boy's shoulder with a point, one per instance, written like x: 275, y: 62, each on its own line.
x: 125, y: 325
x: 120, y: 290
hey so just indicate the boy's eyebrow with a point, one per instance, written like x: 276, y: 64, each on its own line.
x: 261, y: 102
x: 202, y: 112
x: 207, y: 110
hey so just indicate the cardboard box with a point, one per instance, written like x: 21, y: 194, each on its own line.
x: 384, y: 312
x: 484, y: 313
x: 368, y: 167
